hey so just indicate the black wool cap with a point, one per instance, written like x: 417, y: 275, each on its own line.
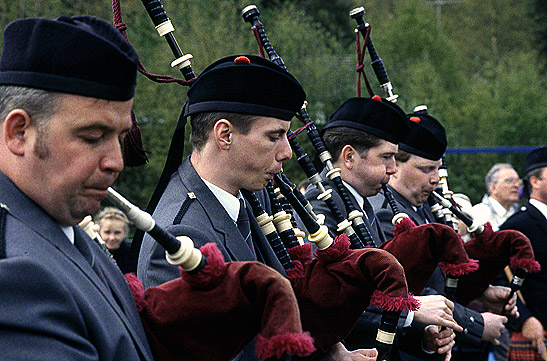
x: 376, y: 116
x: 536, y: 159
x: 245, y: 84
x: 81, y: 55
x: 427, y: 137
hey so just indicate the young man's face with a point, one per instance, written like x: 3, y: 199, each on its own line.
x: 258, y: 155
x: 368, y: 172
x: 416, y: 179
x: 78, y: 157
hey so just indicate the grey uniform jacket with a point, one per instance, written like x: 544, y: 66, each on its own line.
x: 187, y: 207
x: 471, y: 321
x: 53, y: 304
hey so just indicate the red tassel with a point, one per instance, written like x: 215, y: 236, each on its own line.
x: 336, y: 250
x: 486, y: 234
x: 389, y: 303
x: 298, y: 344
x: 296, y: 273
x: 528, y: 264
x: 212, y: 273
x: 460, y: 269
x: 403, y: 225
x: 302, y: 253
x: 133, y: 152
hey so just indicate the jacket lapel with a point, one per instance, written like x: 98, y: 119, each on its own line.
x: 538, y: 217
x: 228, y: 233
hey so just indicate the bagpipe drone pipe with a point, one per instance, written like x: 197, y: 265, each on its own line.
x: 215, y: 308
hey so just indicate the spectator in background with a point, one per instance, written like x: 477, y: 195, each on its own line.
x: 501, y: 201
x: 114, y: 228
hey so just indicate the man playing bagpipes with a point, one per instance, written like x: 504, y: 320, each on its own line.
x: 418, y: 163
x: 65, y: 109
x: 362, y: 136
x: 240, y: 109
x: 529, y: 343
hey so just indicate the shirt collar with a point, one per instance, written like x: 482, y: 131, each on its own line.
x: 228, y: 201
x: 497, y: 207
x: 360, y: 200
x: 69, y: 232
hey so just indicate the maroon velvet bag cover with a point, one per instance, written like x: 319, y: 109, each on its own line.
x: 334, y: 288
x: 420, y: 249
x: 494, y: 251
x: 215, y: 313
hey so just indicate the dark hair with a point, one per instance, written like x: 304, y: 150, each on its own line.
x: 526, y: 188
x: 202, y: 124
x: 336, y: 138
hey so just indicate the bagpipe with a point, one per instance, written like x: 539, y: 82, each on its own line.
x: 215, y: 308
x: 335, y: 287
x: 494, y: 250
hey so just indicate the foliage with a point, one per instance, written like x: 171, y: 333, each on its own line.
x: 478, y: 66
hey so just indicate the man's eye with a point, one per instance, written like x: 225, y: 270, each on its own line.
x: 91, y: 139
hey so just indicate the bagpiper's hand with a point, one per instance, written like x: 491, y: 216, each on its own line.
x: 436, y: 310
x: 493, y: 325
x: 494, y: 297
x: 91, y: 228
x: 439, y: 339
x: 339, y: 353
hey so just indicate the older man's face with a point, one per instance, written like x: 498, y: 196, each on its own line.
x: 506, y: 187
x: 77, y: 157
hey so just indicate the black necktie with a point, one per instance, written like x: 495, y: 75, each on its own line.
x: 421, y: 212
x: 243, y: 224
x: 85, y: 250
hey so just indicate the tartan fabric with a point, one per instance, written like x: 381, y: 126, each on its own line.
x: 521, y: 349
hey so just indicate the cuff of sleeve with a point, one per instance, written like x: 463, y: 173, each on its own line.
x: 409, y: 319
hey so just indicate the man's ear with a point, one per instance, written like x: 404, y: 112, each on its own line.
x: 223, y: 132
x: 347, y: 156
x: 534, y: 181
x: 491, y: 187
x: 16, y: 130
